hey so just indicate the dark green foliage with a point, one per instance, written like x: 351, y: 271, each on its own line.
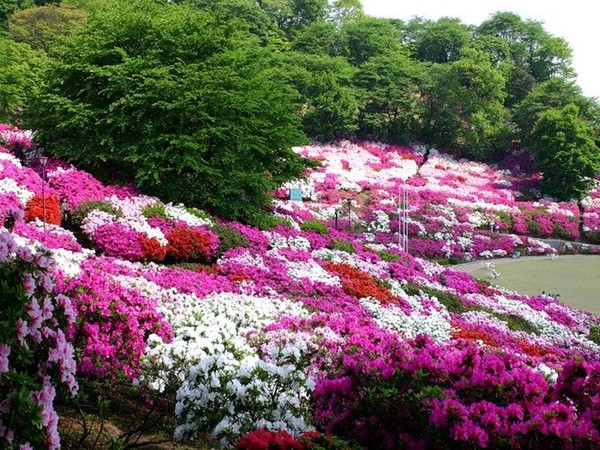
x: 18, y: 78
x: 314, y: 225
x: 186, y: 105
x: 565, y: 151
x: 515, y: 322
x: 229, y: 238
x: 329, y: 101
x: 441, y: 41
x: 465, y: 110
x: 342, y: 245
x: 267, y: 221
x: 388, y: 256
x: 594, y: 335
x: 155, y: 210
x: 391, y: 105
x: 451, y: 301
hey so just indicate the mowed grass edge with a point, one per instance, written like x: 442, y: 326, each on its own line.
x: 576, y: 280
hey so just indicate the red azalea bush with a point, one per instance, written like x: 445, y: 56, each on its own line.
x: 359, y: 284
x: 191, y: 244
x: 37, y: 210
x: 269, y: 440
x: 152, y: 250
x: 262, y: 439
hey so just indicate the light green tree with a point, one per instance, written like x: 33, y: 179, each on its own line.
x: 565, y: 152
x: 184, y: 104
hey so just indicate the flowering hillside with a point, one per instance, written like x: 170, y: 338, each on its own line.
x: 301, y: 334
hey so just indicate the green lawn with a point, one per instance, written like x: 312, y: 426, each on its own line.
x: 577, y: 280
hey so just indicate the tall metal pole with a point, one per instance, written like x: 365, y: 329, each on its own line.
x: 349, y: 217
x: 43, y: 161
x: 403, y: 217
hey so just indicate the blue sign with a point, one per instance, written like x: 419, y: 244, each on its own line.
x: 296, y: 194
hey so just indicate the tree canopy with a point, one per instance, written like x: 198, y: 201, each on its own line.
x: 566, y: 153
x: 182, y: 103
x: 188, y: 77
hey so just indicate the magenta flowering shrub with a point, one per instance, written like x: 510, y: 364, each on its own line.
x: 114, y: 322
x: 458, y: 395
x: 36, y: 359
x: 116, y: 239
x: 76, y: 186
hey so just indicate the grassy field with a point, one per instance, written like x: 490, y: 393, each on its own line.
x: 577, y: 280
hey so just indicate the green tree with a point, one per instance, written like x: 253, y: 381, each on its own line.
x: 535, y: 55
x: 18, y: 78
x: 565, y: 152
x: 440, y: 41
x: 43, y: 26
x: 258, y: 21
x: 391, y: 88
x: 8, y: 7
x: 293, y: 15
x: 328, y: 99
x: 367, y: 37
x: 555, y: 93
x: 465, y: 106
x: 186, y: 105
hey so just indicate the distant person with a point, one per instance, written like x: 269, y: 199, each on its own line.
x: 65, y: 214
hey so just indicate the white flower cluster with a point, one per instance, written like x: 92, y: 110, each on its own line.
x: 8, y: 185
x: 312, y: 271
x: 277, y: 241
x: 141, y: 225
x: 216, y: 324
x: 179, y: 212
x: 229, y: 397
x: 381, y: 223
x: 70, y: 262
x: 434, y: 323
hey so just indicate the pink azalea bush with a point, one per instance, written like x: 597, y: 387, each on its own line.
x: 36, y: 357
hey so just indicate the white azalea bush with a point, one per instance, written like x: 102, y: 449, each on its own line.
x: 216, y: 324
x: 228, y: 397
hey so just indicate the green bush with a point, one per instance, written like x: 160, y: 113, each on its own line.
x: 594, y: 335
x: 84, y: 208
x: 155, y: 210
x: 314, y: 225
x: 388, y: 256
x: 229, y: 238
x: 451, y: 301
x: 265, y: 221
x: 342, y: 245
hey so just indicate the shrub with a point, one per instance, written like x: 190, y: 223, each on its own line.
x: 342, y: 245
x: 314, y: 225
x: 451, y: 301
x: 43, y: 207
x: 594, y: 335
x: 115, y: 239
x: 229, y: 238
x: 388, y: 256
x: 155, y: 210
x: 191, y: 244
x: 200, y: 214
x: 152, y: 250
x: 84, y: 208
x: 36, y: 360
x: 266, y: 221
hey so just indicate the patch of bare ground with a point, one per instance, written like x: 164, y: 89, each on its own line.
x: 122, y: 422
